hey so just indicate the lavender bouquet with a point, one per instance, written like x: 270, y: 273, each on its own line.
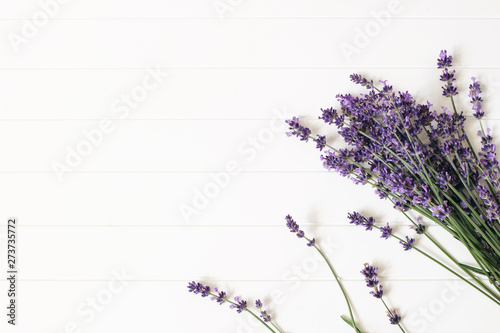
x: 421, y: 160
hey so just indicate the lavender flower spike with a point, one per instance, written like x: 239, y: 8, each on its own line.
x: 298, y: 130
x: 198, y: 288
x: 220, y: 298
x: 240, y: 307
x: 394, y: 318
x: 408, y: 244
x: 370, y: 274
x: 474, y: 91
x: 294, y: 227
x: 263, y: 314
x: 444, y: 61
x: 386, y: 231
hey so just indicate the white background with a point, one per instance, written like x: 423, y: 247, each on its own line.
x: 234, y: 75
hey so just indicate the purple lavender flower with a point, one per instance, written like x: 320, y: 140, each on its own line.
x: 449, y: 90
x: 441, y: 211
x: 266, y: 317
x: 193, y: 287
x: 420, y: 228
x: 355, y: 218
x: 291, y: 224
x: 328, y: 115
x: 240, y: 307
x: 198, y: 288
x: 220, y: 298
x: 263, y: 314
x: 320, y: 142
x: 370, y: 274
x: 394, y: 318
x: 447, y: 76
x: 298, y: 130
x: 474, y: 91
x: 358, y: 79
x: 386, y: 231
x: 488, y: 156
x: 294, y: 227
x: 369, y: 223
x: 408, y: 244
x: 378, y: 291
x: 205, y: 292
x: 443, y: 181
x: 444, y: 60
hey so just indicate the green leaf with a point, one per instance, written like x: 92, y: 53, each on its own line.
x: 350, y: 323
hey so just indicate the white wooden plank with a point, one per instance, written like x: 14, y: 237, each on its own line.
x: 216, y: 93
x: 244, y: 43
x: 241, y: 8
x: 227, y: 253
x: 426, y: 306
x: 184, y: 199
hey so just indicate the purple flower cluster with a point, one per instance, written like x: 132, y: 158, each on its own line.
x: 368, y: 223
x: 419, y: 228
x: 474, y: 91
x: 370, y: 274
x: 240, y: 305
x: 220, y: 297
x: 384, y: 129
x: 408, y: 244
x: 417, y: 157
x: 441, y: 211
x: 294, y: 227
x: 444, y: 61
x: 198, y: 288
x: 394, y: 318
x: 488, y: 161
x: 304, y: 133
x: 298, y: 130
x: 263, y: 314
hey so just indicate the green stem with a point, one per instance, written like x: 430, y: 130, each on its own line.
x: 390, y: 314
x: 447, y: 268
x: 340, y: 285
x: 276, y: 327
x: 249, y: 311
x: 449, y: 256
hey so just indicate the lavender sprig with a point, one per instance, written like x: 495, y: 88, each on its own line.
x: 370, y: 274
x: 387, y: 231
x: 474, y: 91
x: 294, y: 227
x: 239, y: 304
